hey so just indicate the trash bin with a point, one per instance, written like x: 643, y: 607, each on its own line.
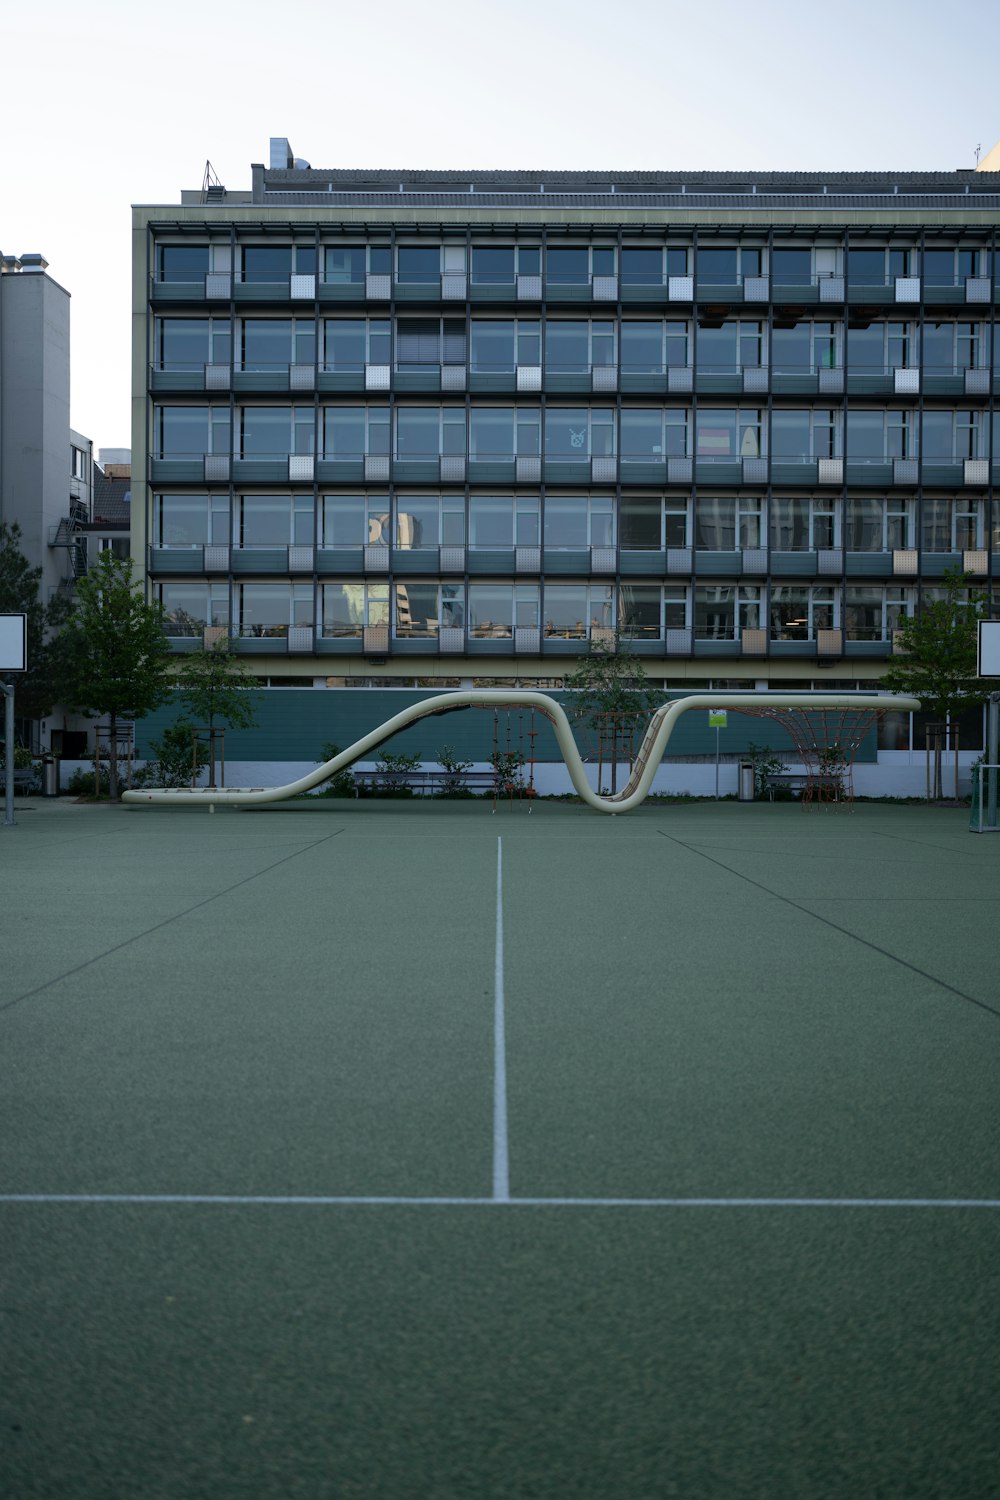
x: 50, y: 776
x: 745, y: 784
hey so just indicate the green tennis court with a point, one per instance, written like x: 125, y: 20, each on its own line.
x: 404, y: 1150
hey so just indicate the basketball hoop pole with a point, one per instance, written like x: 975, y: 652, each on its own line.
x: 992, y: 751
x: 8, y: 738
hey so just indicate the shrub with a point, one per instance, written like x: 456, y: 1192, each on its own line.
x: 766, y: 762
x: 454, y: 773
x: 341, y: 784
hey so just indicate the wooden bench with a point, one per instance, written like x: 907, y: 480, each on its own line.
x: 423, y: 781
x: 802, y: 781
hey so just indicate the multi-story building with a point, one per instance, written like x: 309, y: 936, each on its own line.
x: 443, y: 426
x: 46, y: 469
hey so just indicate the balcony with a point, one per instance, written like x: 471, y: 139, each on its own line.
x: 288, y: 289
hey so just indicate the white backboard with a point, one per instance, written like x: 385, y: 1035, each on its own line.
x: 13, y: 643
x: 988, y: 655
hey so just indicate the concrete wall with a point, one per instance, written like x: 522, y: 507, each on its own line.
x: 34, y: 414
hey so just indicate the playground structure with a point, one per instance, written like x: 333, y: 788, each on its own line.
x: 644, y: 764
x: 827, y: 740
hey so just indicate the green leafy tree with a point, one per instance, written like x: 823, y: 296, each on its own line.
x: 611, y: 696
x: 215, y: 684
x: 177, y: 757
x: 937, y: 656
x: 118, y: 656
x: 20, y: 594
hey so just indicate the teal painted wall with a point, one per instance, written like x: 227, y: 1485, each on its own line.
x: 294, y: 724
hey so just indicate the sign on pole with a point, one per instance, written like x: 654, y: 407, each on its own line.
x: 988, y: 654
x: 13, y: 643
x: 718, y: 718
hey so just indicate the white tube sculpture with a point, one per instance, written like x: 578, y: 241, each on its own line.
x: 647, y: 761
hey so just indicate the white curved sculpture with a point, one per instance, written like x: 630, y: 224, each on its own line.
x: 636, y: 790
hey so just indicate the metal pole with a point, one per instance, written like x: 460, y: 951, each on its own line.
x: 9, y: 820
x: 716, y: 762
x: 992, y: 752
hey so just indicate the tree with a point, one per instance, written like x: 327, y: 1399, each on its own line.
x: 215, y: 684
x: 937, y: 661
x: 118, y: 660
x: 611, y: 696
x: 20, y: 593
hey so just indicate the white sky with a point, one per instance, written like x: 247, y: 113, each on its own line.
x: 122, y: 101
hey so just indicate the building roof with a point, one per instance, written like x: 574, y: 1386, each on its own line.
x: 112, y: 500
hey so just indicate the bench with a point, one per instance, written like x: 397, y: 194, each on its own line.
x: 802, y: 781
x: 424, y: 781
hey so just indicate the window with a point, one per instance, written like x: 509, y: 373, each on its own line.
x: 430, y: 521
x: 353, y: 521
x: 951, y: 525
x: 805, y: 348
x: 736, y: 345
x: 419, y: 265
x: 430, y: 342
x: 272, y: 344
x: 188, y: 263
x: 728, y: 265
x: 725, y: 523
x: 272, y: 432
x: 877, y: 525
x: 499, y: 347
x: 576, y: 347
x: 191, y: 343
x: 497, y: 265
x: 951, y: 436
x: 878, y: 268
x: 186, y: 432
x: 872, y: 613
x: 792, y: 267
x: 496, y: 609
x: 422, y: 609
x: 574, y: 611
x: 499, y: 433
x: 274, y: 264
x: 351, y: 343
x: 650, y: 348
x: 427, y: 432
x: 880, y: 348
x: 878, y: 437
x: 803, y: 525
x: 803, y: 435
x: 353, y: 432
x: 950, y: 267
x: 574, y: 265
x: 797, y: 612
x: 649, y: 523
x: 78, y: 462
x: 728, y: 433
x: 652, y: 434
x: 723, y: 611
x: 190, y: 606
x: 646, y: 610
x: 579, y: 521
x: 951, y: 348
x: 349, y: 607
x: 347, y: 265
x: 190, y: 520
x: 578, y: 433
x: 503, y: 521
x: 274, y: 520
x: 267, y: 609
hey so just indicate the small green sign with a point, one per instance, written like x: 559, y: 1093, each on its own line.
x: 718, y: 718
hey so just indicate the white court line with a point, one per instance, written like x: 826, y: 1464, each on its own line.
x: 361, y: 1201
x: 501, y: 1160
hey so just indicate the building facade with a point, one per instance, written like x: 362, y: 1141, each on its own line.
x: 46, y: 469
x: 431, y: 428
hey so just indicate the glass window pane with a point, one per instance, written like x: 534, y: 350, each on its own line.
x: 791, y: 267
x: 717, y: 266
x: 492, y: 264
x: 642, y: 267
x: 417, y: 521
x: 184, y: 262
x: 420, y: 264
x: 568, y: 267
x: 264, y: 520
x: 345, y: 264
x: 566, y: 433
x: 491, y: 521
x: 418, y: 431
x: 492, y: 433
x: 267, y: 263
x: 566, y: 521
x: 567, y: 347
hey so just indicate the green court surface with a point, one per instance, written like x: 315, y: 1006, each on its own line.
x: 407, y: 1150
